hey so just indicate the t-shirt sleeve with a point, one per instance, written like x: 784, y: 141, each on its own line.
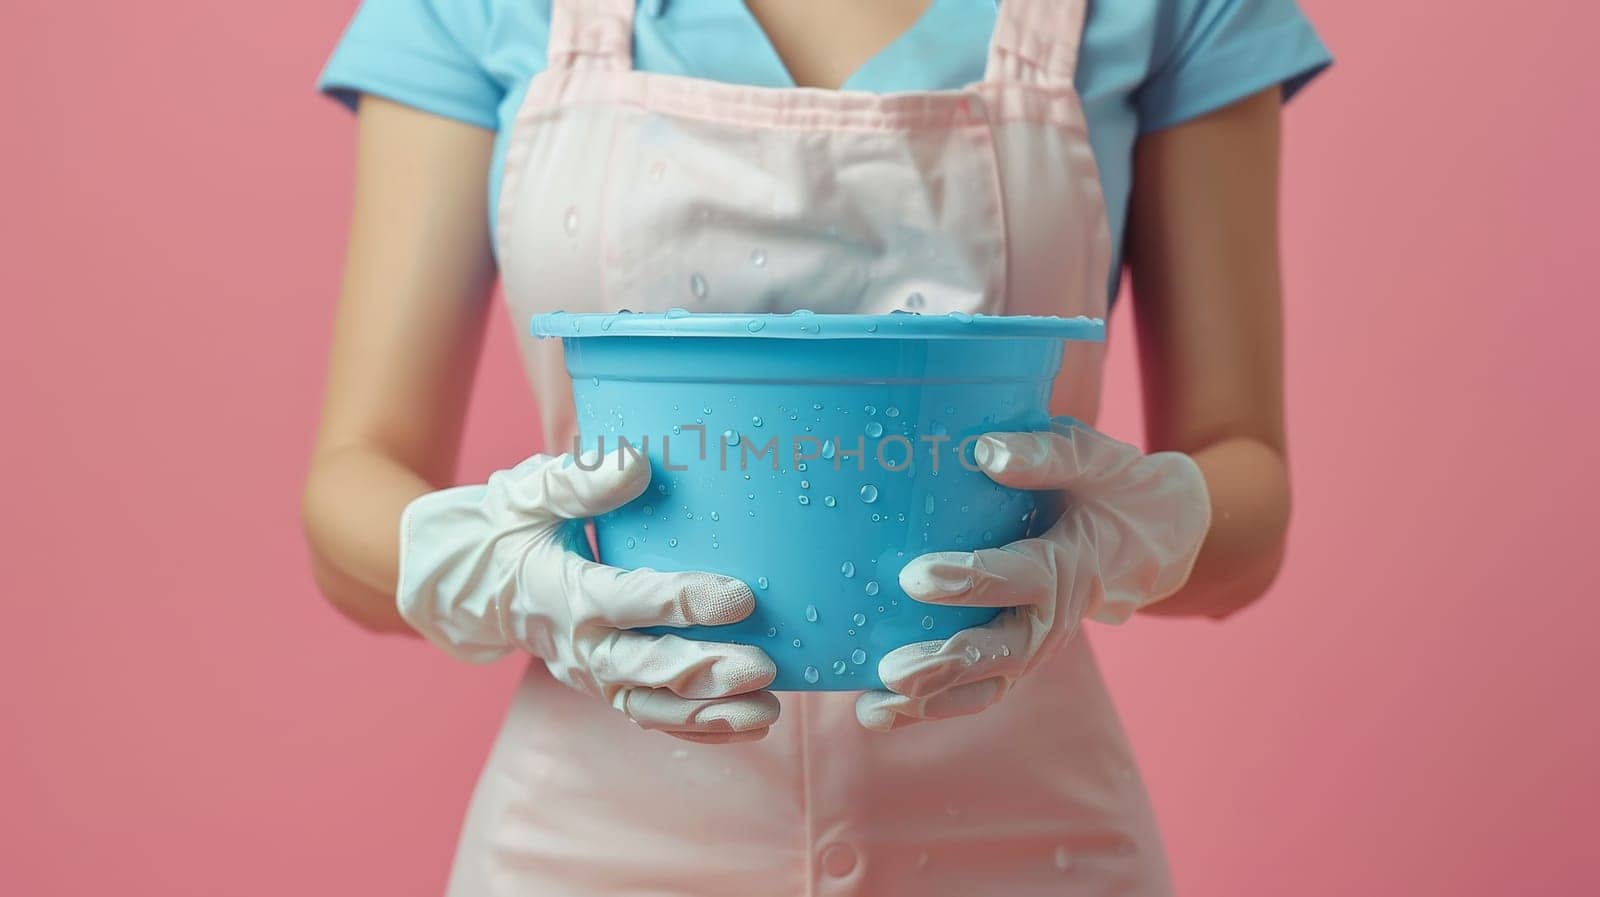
x: 1215, y: 52
x: 428, y: 54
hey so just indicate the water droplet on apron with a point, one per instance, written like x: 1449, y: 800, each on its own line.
x: 827, y: 449
x: 874, y: 429
x: 848, y: 569
x: 761, y: 582
x: 805, y: 499
x: 829, y: 500
x: 839, y: 668
x: 672, y: 543
x: 756, y: 421
x: 872, y: 589
x: 797, y: 644
x: 1063, y: 859
x: 869, y: 493
x: 731, y: 436
x: 811, y: 613
x: 858, y: 657
x: 811, y: 673
x: 927, y: 622
x: 861, y: 619
x: 631, y: 543
x: 871, y: 409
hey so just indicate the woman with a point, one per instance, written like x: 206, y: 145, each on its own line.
x: 1020, y: 147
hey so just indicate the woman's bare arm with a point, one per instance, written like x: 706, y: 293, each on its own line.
x: 1203, y: 249
x: 409, y: 328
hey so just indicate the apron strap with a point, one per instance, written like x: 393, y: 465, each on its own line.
x: 599, y: 31
x: 1036, y: 41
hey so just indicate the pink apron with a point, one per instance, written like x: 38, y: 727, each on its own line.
x: 627, y: 189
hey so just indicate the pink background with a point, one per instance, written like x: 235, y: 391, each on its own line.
x: 1410, y: 712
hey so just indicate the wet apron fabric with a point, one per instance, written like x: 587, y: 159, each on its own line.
x: 641, y: 191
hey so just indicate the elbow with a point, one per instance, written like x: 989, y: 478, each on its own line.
x: 1260, y: 572
x: 357, y: 602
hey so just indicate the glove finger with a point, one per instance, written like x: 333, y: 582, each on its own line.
x: 883, y: 711
x: 1053, y: 459
x: 689, y: 669
x: 1000, y: 647
x: 721, y: 737
x: 632, y: 599
x: 574, y: 487
x: 1016, y: 574
x: 661, y: 710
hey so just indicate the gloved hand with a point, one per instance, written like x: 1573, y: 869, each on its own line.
x: 1128, y: 536
x: 491, y: 568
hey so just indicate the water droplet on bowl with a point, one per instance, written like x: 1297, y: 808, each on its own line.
x: 755, y: 325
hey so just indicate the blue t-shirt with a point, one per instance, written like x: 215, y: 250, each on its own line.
x: 1145, y: 64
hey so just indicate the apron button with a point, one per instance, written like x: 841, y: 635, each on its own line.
x: 839, y: 860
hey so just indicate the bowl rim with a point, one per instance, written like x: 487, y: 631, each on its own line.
x: 809, y: 325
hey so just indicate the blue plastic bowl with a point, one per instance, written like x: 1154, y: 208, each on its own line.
x: 779, y: 495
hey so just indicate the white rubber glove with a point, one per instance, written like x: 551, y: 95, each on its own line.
x: 1129, y: 535
x: 502, y: 566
